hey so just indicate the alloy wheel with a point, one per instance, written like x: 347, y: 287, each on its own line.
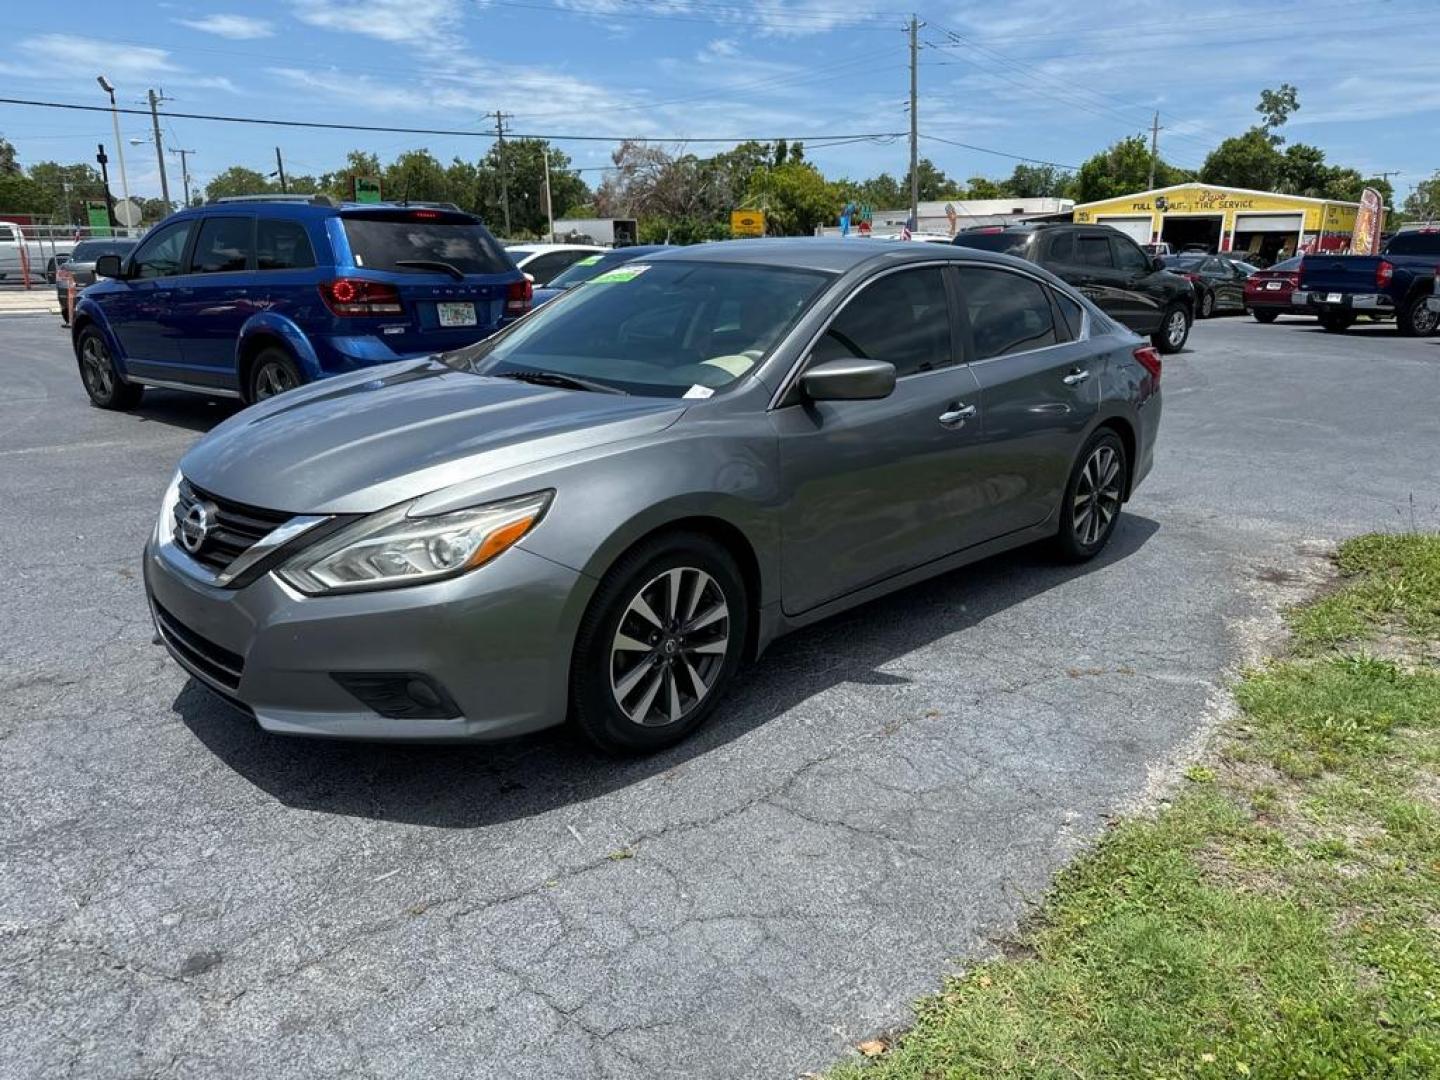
x: 95, y: 368
x: 1207, y: 305
x: 273, y: 379
x: 669, y: 647
x: 1175, y: 329
x: 1097, y: 495
x: 1423, y: 320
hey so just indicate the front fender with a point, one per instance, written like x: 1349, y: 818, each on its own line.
x: 270, y: 324
x: 89, y: 313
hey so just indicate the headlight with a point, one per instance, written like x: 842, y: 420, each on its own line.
x: 389, y: 549
x: 165, y: 523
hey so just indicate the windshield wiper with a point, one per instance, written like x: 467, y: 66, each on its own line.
x: 433, y: 264
x: 555, y: 378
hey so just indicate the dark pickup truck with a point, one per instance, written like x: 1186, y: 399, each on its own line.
x: 1397, y: 282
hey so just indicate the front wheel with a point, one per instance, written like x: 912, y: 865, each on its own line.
x: 1174, y: 330
x: 1415, y: 319
x: 1093, y: 498
x: 103, y: 384
x: 1264, y: 316
x: 659, y: 644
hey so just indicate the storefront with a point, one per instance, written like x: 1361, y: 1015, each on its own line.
x: 1259, y: 223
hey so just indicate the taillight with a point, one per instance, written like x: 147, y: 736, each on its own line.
x: 1149, y: 358
x: 1383, y: 273
x: 1293, y: 279
x: 356, y: 296
x: 517, y: 297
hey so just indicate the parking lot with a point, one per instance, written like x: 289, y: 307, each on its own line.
x: 881, y: 799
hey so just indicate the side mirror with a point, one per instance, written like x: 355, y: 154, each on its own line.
x: 110, y: 266
x: 1157, y: 263
x: 848, y: 380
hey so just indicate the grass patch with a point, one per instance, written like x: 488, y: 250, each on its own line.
x: 1281, y: 918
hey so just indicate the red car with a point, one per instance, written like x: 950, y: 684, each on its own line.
x: 1267, y: 292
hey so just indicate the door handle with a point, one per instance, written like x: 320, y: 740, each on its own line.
x: 1076, y: 377
x: 957, y: 416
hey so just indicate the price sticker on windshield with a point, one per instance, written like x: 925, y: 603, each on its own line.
x: 621, y: 273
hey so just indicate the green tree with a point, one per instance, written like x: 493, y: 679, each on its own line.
x: 881, y: 192
x: 1302, y: 171
x: 982, y: 187
x: 1122, y: 168
x: 1276, y: 106
x: 415, y: 176
x: 796, y: 198
x: 523, y: 162
x: 21, y: 195
x: 9, y: 161
x: 1249, y: 161
x: 238, y: 180
x: 934, y: 184
x: 731, y: 170
x: 339, y: 185
x: 68, y: 187
x: 1038, y: 182
x: 1423, y: 202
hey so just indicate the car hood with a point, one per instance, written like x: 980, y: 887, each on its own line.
x: 361, y: 442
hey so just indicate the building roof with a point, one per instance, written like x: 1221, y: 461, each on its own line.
x: 1214, y: 187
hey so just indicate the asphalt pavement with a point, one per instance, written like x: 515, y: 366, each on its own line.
x: 881, y: 799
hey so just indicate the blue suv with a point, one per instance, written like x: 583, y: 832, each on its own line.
x: 249, y: 297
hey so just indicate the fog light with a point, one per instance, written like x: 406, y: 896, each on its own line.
x: 399, y: 695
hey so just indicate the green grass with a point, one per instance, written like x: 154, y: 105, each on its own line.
x: 1281, y: 918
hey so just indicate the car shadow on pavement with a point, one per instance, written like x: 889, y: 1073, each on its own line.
x: 181, y: 409
x: 471, y: 786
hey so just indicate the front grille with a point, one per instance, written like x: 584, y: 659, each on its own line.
x: 199, y: 653
x: 238, y: 527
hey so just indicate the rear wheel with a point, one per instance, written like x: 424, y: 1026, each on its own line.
x: 1207, y: 304
x: 273, y: 372
x: 97, y: 371
x: 659, y: 644
x: 1093, y: 498
x: 1174, y: 330
x: 1336, y: 322
x: 1264, y: 316
x: 1415, y: 319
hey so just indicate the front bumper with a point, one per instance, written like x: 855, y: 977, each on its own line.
x: 1319, y: 300
x: 497, y: 640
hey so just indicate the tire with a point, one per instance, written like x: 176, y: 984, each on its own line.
x: 1084, y: 528
x: 1415, y: 319
x: 1336, y: 322
x: 272, y: 372
x: 1174, y: 330
x: 1264, y: 316
x: 50, y: 269
x: 1206, y: 306
x: 102, y: 382
x: 615, y: 701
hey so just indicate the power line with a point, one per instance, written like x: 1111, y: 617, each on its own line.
x: 998, y: 153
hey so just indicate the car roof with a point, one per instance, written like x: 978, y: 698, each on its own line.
x: 538, y: 249
x: 834, y: 255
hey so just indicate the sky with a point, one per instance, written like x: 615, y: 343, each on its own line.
x: 1028, y: 78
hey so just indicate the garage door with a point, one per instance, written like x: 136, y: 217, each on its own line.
x: 1137, y: 228
x: 1286, y: 223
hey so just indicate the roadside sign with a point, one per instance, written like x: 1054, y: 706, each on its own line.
x: 1365, y: 239
x: 98, y: 218
x: 367, y: 189
x: 127, y: 212
x: 747, y: 222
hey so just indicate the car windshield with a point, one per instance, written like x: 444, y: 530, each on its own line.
x: 1183, y: 262
x: 663, y: 329
x: 90, y: 250
x: 1289, y: 264
x: 994, y: 241
x: 589, y: 267
x: 1421, y: 242
x: 402, y: 240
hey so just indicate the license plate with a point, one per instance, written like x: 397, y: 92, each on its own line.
x: 1332, y: 298
x: 456, y: 314
x: 1273, y: 284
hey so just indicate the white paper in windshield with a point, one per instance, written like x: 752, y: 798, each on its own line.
x: 698, y: 391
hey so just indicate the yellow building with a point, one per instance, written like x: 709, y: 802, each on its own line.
x: 1227, y: 219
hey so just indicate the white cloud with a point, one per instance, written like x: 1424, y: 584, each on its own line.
x: 432, y: 25
x: 58, y: 57
x: 235, y: 27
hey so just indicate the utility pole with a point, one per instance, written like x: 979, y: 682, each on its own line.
x: 914, y: 122
x: 500, y: 119
x: 1154, y: 150
x: 155, y: 100
x: 280, y: 171
x: 184, y: 171
x: 549, y: 207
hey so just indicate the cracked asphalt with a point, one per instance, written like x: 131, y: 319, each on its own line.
x: 882, y: 798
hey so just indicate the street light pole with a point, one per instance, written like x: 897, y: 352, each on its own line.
x: 549, y: 206
x: 184, y: 170
x: 109, y: 88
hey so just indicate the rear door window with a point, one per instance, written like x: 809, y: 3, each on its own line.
x: 223, y: 246
x: 1011, y: 243
x: 424, y: 242
x: 1008, y: 313
x: 1072, y: 315
x: 1062, y: 247
x: 545, y: 268
x: 282, y: 245
x: 1093, y: 249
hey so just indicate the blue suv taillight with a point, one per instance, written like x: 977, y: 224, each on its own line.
x: 518, y: 297
x: 356, y: 296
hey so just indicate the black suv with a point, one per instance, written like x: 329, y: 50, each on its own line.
x: 1107, y: 266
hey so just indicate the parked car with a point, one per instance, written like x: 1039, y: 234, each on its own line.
x: 591, y: 266
x: 1109, y: 268
x: 1271, y: 293
x: 1219, y: 282
x: 1159, y: 248
x: 541, y: 263
x: 1396, y: 283
x: 248, y: 299
x: 79, y: 269
x: 600, y: 512
x: 45, y: 250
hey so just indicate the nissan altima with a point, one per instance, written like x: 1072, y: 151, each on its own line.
x: 601, y: 512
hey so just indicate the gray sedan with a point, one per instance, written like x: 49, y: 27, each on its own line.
x: 601, y: 512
